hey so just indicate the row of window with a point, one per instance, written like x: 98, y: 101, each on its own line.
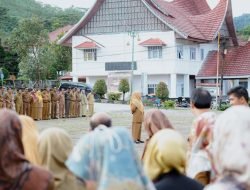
x: 154, y: 52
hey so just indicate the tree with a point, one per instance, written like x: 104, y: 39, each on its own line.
x: 100, y: 88
x: 28, y: 40
x: 123, y: 87
x: 162, y: 91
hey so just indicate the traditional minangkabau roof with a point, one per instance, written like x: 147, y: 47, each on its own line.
x: 53, y: 36
x: 191, y: 19
x: 87, y: 45
x: 237, y: 63
x: 153, y: 42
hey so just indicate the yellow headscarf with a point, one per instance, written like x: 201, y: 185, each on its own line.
x: 39, y: 96
x: 136, y: 100
x: 30, y: 139
x: 166, y: 151
x: 54, y: 146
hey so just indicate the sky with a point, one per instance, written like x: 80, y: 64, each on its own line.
x: 239, y: 6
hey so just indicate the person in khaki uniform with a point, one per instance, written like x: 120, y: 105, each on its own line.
x: 19, y: 102
x: 9, y: 99
x: 39, y: 105
x: 84, y: 103
x: 1, y: 97
x: 137, y: 109
x: 34, y: 105
x: 26, y: 102
x: 72, y: 103
x: 67, y: 103
x: 78, y: 102
x: 54, y: 99
x: 91, y: 100
x: 46, y: 104
x: 62, y: 104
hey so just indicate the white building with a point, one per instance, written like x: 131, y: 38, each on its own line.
x: 171, y: 40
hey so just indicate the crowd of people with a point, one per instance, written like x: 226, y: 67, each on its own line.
x: 48, y: 103
x: 214, y: 157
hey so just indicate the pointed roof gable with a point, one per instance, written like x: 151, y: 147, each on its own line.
x: 192, y: 19
x: 87, y: 45
x: 153, y: 42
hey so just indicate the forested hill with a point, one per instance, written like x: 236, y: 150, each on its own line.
x: 11, y: 11
x: 242, y: 21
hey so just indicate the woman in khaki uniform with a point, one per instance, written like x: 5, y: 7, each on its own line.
x: 137, y: 109
x: 34, y: 105
x: 39, y: 105
x: 19, y: 102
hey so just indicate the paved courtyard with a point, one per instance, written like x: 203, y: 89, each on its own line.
x: 76, y: 127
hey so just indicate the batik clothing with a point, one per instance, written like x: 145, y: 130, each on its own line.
x: 137, y: 109
x: 154, y: 121
x: 16, y: 173
x: 199, y: 161
x: 55, y: 145
x: 30, y: 139
x: 107, y: 158
x: 231, y: 149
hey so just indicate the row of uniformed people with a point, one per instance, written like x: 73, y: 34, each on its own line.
x: 48, y: 103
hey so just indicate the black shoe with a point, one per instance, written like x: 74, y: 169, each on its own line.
x: 140, y: 141
x: 136, y: 142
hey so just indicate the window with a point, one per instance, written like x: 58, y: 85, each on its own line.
x: 202, y: 54
x: 152, y: 88
x: 193, y: 53
x: 180, y: 52
x: 154, y: 52
x: 90, y: 55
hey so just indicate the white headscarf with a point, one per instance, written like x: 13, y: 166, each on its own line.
x: 231, y: 148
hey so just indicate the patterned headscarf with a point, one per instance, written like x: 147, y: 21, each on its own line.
x: 201, y: 141
x: 30, y: 139
x: 107, y: 158
x: 231, y: 149
x: 154, y: 121
x: 166, y: 151
x: 136, y: 100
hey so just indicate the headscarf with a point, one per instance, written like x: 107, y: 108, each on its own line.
x: 136, y: 100
x: 231, y: 147
x: 199, y: 160
x: 154, y: 121
x: 54, y: 146
x: 39, y: 96
x: 166, y: 152
x: 30, y: 139
x: 15, y: 171
x: 107, y: 158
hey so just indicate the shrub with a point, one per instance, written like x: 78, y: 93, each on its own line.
x: 169, y: 104
x: 223, y: 107
x: 123, y: 87
x: 148, y: 103
x: 100, y: 88
x: 114, y: 96
x: 162, y: 91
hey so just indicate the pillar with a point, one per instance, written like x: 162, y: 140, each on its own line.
x: 186, y: 86
x: 173, y: 86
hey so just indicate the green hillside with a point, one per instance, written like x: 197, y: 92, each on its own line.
x: 12, y: 11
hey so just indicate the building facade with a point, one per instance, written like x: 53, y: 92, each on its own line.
x: 147, y: 42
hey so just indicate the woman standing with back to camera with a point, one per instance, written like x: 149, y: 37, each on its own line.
x: 137, y: 109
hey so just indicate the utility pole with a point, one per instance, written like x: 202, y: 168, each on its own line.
x: 132, y: 34
x: 217, y: 75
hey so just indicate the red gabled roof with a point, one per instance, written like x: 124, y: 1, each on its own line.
x: 87, y: 45
x: 191, y: 19
x: 153, y: 42
x: 53, y: 36
x: 237, y: 63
